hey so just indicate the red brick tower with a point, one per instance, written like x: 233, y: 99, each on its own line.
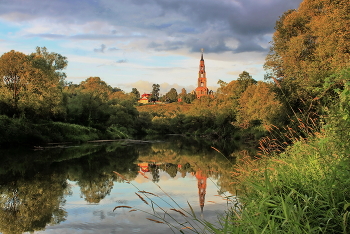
x: 202, y: 89
x: 202, y: 188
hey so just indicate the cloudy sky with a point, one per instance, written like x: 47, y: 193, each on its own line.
x: 136, y: 43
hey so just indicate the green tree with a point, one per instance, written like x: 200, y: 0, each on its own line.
x: 31, y: 85
x: 52, y: 63
x: 189, y: 98
x: 245, y: 80
x: 171, y: 96
x: 29, y: 204
x: 136, y: 93
x: 88, y: 103
x: 309, y: 45
x: 182, y: 95
x: 258, y: 103
x: 155, y: 92
x: 96, y: 104
x: 49, y: 81
x: 13, y: 69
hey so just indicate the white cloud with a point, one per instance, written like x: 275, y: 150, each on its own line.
x: 156, y: 41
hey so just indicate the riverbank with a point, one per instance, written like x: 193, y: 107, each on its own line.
x: 24, y: 131
x: 305, y: 189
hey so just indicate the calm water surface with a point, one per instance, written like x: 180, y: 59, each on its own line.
x: 72, y: 188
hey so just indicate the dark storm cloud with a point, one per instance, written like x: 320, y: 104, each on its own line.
x: 244, y: 20
x: 215, y: 46
x: 190, y: 24
x: 249, y: 46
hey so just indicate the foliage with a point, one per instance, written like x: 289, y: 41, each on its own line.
x: 34, y: 183
x: 31, y: 83
x: 136, y: 93
x: 20, y: 204
x: 94, y: 103
x: 171, y: 96
x: 245, y: 80
x: 304, y: 190
x: 155, y: 92
x: 13, y: 130
x: 310, y: 44
x: 258, y: 103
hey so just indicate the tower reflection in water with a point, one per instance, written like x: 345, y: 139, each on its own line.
x: 200, y: 176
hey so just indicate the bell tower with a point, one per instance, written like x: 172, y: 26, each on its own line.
x: 202, y: 89
x: 202, y: 188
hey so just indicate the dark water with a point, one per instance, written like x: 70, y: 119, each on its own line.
x: 72, y: 188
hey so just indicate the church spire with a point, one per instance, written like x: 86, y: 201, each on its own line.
x: 202, y: 89
x: 202, y: 188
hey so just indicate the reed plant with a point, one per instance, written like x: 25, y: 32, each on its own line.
x: 305, y: 189
x: 165, y: 210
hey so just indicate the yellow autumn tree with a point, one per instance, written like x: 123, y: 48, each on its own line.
x: 310, y: 44
x: 31, y: 84
x: 258, y: 103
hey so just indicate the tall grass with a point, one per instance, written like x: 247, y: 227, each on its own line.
x: 305, y: 189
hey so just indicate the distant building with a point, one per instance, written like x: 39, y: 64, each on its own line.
x: 202, y: 89
x: 144, y: 98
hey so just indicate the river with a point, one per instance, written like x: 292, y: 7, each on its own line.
x: 125, y: 186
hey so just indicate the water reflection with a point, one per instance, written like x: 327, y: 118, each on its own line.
x: 49, y: 189
x: 31, y: 203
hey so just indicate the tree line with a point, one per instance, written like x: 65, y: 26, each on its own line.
x: 307, y: 75
x: 306, y: 81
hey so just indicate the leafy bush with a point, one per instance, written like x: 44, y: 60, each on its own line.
x: 306, y: 189
x: 21, y: 130
x: 115, y: 132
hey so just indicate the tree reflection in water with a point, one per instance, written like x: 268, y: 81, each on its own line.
x: 33, y: 184
x: 29, y: 204
x: 32, y: 197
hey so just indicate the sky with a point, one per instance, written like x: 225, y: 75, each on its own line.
x: 137, y: 43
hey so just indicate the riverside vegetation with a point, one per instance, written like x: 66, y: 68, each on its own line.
x: 299, y: 117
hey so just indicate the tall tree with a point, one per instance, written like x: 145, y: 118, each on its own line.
x: 49, y: 80
x: 52, y: 63
x: 171, y: 96
x: 89, y: 105
x: 310, y: 44
x: 182, y: 95
x: 31, y: 84
x: 155, y: 92
x: 258, y: 103
x: 13, y: 71
x: 136, y: 93
x: 245, y: 80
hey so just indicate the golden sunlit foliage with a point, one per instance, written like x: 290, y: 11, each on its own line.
x: 31, y: 84
x: 258, y: 102
x: 311, y: 43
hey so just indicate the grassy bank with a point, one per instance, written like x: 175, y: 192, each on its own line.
x: 306, y: 189
x: 23, y: 131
